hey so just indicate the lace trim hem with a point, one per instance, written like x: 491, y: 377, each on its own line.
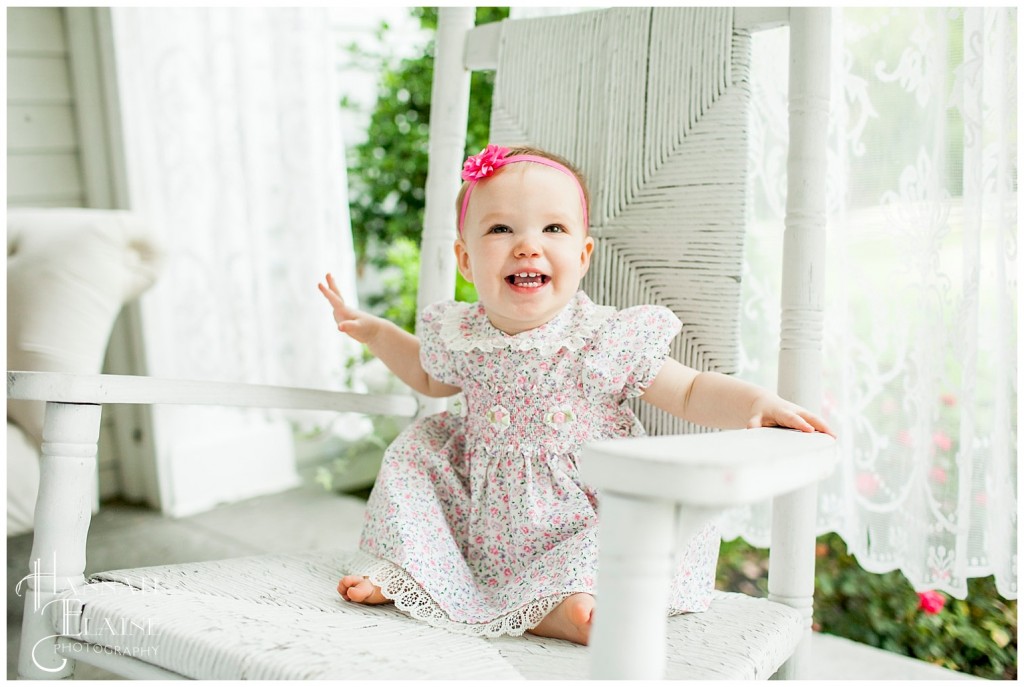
x: 410, y: 597
x: 545, y: 339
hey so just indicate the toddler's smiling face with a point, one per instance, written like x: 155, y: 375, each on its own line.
x: 523, y: 245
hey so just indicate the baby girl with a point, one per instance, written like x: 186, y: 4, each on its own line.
x: 479, y: 521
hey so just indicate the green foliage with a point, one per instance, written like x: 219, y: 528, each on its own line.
x: 388, y: 172
x: 977, y: 635
x: 397, y: 301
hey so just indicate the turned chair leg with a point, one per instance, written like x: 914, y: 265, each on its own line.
x: 791, y: 573
x: 638, y: 542
x: 62, y: 515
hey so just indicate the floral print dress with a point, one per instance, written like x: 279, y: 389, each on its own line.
x: 479, y: 521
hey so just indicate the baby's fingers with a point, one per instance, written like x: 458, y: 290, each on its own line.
x: 332, y: 296
x: 818, y: 423
x: 332, y: 285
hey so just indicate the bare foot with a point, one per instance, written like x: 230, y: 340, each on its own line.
x: 568, y: 620
x: 359, y: 589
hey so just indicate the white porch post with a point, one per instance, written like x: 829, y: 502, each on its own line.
x: 791, y: 577
x: 63, y: 511
x: 449, y: 115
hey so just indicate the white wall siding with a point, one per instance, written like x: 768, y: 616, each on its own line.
x: 43, y: 160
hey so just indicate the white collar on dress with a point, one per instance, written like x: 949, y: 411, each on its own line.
x: 465, y: 328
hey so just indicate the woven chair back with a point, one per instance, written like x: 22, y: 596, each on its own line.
x: 652, y: 105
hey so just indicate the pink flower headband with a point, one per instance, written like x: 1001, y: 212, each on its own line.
x: 491, y: 159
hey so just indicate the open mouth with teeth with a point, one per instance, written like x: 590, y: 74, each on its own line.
x: 528, y: 280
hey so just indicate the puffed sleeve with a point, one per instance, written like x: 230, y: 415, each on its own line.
x: 435, y: 355
x: 629, y: 351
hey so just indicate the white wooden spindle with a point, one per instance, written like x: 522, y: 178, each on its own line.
x: 791, y: 577
x: 449, y: 115
x: 636, y: 543
x: 63, y: 512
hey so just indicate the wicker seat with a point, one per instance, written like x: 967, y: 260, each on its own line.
x: 653, y: 109
x: 173, y: 616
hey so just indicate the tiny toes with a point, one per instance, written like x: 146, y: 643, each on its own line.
x: 360, y: 590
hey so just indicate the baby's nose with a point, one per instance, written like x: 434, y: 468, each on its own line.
x: 527, y: 248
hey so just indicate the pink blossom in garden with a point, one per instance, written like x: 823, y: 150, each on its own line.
x: 942, y: 440
x: 938, y: 475
x: 905, y: 438
x: 931, y: 602
x: 867, y: 484
x: 948, y: 399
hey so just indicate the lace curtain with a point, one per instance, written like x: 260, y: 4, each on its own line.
x: 233, y: 147
x: 237, y: 158
x: 920, y: 330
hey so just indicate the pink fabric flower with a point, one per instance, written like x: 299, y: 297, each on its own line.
x: 484, y: 163
x: 931, y: 602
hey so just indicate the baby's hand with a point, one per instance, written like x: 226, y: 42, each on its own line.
x: 772, y: 411
x: 359, y: 325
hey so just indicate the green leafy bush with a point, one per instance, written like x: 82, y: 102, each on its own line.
x: 388, y: 172
x: 977, y: 635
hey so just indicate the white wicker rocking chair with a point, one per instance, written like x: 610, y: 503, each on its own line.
x: 668, y: 189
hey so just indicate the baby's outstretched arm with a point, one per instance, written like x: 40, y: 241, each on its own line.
x: 395, y: 347
x: 717, y: 400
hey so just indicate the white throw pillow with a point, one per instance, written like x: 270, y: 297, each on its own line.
x: 69, y: 272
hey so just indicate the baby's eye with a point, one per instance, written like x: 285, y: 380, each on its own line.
x: 499, y: 229
x: 556, y: 228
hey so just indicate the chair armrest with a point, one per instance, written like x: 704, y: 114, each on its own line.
x: 101, y: 389
x: 718, y: 470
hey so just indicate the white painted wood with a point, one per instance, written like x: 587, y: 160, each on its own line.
x: 791, y: 576
x: 449, y: 113
x: 636, y: 543
x: 42, y: 163
x: 38, y: 79
x: 63, y: 512
x: 89, y: 83
x: 760, y: 18
x: 132, y: 424
x: 791, y: 573
x: 103, y: 389
x: 35, y: 30
x: 704, y: 474
x: 482, y: 44
x: 448, y: 119
x: 40, y: 129
x: 721, y: 469
x: 44, y: 201
x: 46, y: 175
x: 107, y: 470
